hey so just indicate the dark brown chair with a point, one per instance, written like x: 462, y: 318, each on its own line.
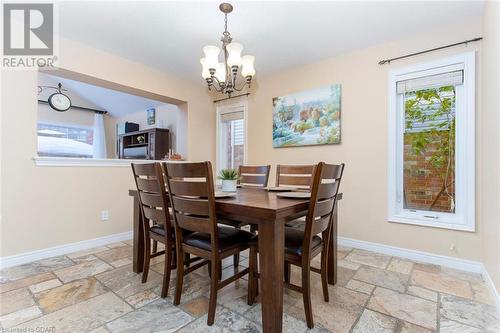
x: 302, y: 246
x: 297, y: 176
x: 156, y: 218
x: 191, y: 191
x: 253, y: 177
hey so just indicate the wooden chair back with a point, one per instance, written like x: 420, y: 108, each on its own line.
x: 254, y: 176
x: 324, y: 191
x: 191, y: 191
x: 152, y: 196
x: 299, y: 176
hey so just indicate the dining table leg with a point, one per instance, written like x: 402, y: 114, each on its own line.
x: 332, y: 250
x: 138, y: 239
x: 271, y: 263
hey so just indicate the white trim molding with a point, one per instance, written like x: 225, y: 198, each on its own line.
x: 426, y: 257
x: 88, y: 162
x: 415, y: 255
x: 492, y: 288
x: 28, y: 257
x: 228, y: 107
x: 463, y: 218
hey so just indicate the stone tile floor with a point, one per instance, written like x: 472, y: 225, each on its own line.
x: 97, y: 291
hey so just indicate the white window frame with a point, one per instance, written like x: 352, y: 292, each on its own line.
x: 228, y: 108
x: 464, y: 216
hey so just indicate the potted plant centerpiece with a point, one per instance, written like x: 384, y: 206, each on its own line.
x: 229, y: 179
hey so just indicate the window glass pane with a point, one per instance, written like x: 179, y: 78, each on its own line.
x: 232, y: 138
x: 429, y: 149
x: 64, y: 141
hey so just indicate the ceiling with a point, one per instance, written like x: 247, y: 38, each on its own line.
x: 170, y: 35
x: 118, y: 104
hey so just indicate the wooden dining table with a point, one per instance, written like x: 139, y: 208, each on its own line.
x: 270, y: 213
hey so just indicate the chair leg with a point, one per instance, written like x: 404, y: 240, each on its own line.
x: 287, y: 271
x: 324, y: 274
x: 147, y: 258
x: 236, y: 257
x: 180, y: 276
x: 252, y: 280
x: 166, y: 271
x: 306, y: 294
x: 214, y: 286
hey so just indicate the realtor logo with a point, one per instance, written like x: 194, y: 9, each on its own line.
x: 28, y: 29
x: 28, y: 35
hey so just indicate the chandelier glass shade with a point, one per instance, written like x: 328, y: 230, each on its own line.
x: 223, y: 76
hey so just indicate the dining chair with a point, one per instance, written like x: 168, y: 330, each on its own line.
x: 157, y: 223
x: 302, y: 246
x: 191, y: 191
x: 252, y: 177
x: 297, y: 176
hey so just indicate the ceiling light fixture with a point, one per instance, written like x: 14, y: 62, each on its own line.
x: 222, y: 76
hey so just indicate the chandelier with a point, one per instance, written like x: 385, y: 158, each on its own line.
x: 222, y: 76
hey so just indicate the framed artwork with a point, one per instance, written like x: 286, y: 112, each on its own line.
x: 151, y: 116
x: 307, y: 118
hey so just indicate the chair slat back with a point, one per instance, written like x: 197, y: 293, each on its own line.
x: 255, y: 176
x: 299, y: 176
x: 324, y: 191
x: 152, y: 195
x: 191, y: 190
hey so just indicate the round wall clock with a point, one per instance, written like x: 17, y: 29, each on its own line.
x: 59, y: 102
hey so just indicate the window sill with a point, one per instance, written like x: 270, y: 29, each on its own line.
x: 86, y: 162
x: 429, y: 223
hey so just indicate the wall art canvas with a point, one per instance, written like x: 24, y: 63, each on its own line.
x: 151, y: 116
x: 307, y: 118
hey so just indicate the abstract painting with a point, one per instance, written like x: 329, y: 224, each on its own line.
x: 307, y: 118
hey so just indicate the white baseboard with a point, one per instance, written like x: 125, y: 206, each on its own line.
x: 452, y: 262
x: 27, y: 257
x: 492, y: 288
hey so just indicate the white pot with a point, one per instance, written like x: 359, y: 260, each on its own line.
x: 229, y: 185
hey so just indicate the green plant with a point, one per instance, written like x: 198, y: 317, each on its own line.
x: 229, y: 174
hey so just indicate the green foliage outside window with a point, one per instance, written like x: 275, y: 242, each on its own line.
x: 430, y: 118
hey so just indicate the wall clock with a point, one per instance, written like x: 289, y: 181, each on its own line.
x: 59, y: 102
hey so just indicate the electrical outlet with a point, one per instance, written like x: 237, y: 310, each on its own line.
x: 104, y: 215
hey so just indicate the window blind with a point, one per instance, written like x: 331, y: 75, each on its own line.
x: 239, y: 132
x: 235, y: 115
x: 454, y: 78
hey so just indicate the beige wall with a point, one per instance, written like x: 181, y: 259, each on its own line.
x: 490, y: 150
x: 49, y: 206
x: 363, y: 212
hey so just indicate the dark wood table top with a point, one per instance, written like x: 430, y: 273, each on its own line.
x: 259, y: 206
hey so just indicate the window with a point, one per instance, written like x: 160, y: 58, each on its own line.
x: 64, y: 140
x: 231, y: 136
x: 431, y: 144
